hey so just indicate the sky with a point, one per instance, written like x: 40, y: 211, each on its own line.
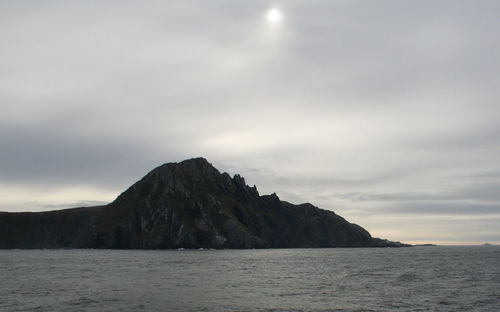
x: 386, y: 112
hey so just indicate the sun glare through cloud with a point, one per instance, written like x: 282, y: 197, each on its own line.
x: 274, y: 17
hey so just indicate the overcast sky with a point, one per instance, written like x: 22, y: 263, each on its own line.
x: 386, y: 112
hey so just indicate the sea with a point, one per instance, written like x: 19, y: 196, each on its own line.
x: 336, y: 279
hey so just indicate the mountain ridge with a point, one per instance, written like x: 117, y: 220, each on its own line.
x: 189, y: 204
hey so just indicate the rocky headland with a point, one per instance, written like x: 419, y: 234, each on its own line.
x: 189, y: 204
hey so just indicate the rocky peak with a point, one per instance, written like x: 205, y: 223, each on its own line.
x: 188, y: 177
x: 197, y: 163
x: 192, y: 168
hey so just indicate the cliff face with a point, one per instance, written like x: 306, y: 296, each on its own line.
x: 190, y: 205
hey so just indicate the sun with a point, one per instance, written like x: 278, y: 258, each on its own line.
x: 274, y: 16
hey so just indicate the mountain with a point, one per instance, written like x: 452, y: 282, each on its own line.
x: 186, y: 205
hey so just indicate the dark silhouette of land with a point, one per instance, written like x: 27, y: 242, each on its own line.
x: 186, y: 205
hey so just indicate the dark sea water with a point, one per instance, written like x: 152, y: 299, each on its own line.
x: 404, y: 279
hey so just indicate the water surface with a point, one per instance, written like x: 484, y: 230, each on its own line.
x: 347, y: 279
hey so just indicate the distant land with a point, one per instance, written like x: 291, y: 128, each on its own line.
x: 189, y: 204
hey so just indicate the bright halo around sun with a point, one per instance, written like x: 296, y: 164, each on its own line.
x: 274, y: 16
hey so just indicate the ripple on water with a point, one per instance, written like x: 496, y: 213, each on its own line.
x: 406, y: 279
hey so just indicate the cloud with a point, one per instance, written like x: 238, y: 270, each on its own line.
x: 364, y: 108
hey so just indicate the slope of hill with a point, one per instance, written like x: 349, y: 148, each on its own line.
x: 186, y: 205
